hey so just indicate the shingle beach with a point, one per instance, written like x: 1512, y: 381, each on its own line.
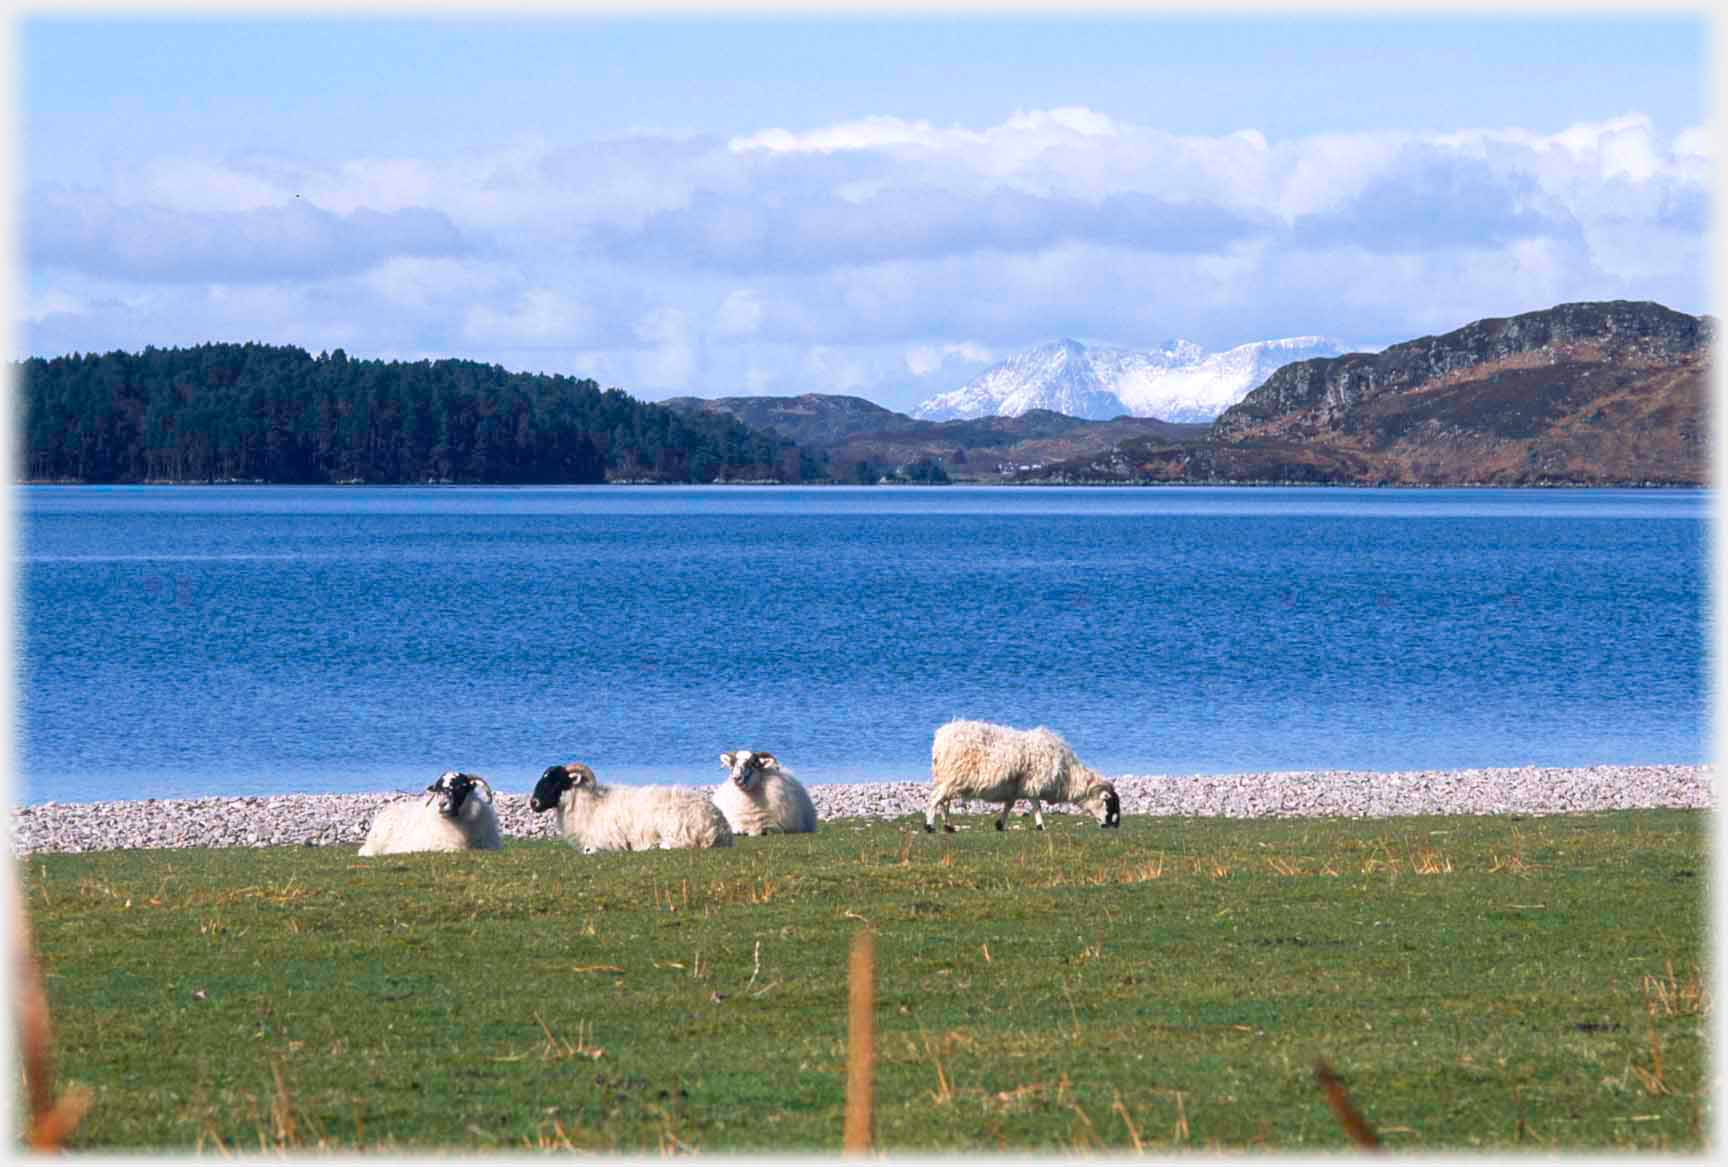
x: 341, y: 819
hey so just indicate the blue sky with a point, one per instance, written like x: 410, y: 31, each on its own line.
x: 840, y: 204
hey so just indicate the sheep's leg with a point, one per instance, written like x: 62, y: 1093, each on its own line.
x: 937, y: 803
x: 1002, y: 819
x: 1037, y: 813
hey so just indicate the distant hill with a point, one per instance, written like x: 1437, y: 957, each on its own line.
x: 1180, y: 382
x: 1588, y: 394
x: 1583, y: 394
x: 850, y: 432
x: 987, y: 448
x: 813, y: 419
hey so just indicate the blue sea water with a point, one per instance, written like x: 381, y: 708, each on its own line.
x: 181, y: 641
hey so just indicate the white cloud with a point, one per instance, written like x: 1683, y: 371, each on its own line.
x: 414, y: 282
x: 739, y: 314
x: 925, y: 359
x: 52, y: 301
x: 832, y: 371
x: 539, y: 316
x: 672, y: 357
x: 200, y: 185
x: 873, y: 133
x: 871, y: 254
x: 294, y: 240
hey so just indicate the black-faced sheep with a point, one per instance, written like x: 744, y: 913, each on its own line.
x: 456, y: 815
x: 760, y: 796
x: 994, y: 763
x: 627, y: 818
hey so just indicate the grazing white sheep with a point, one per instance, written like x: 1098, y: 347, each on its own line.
x: 994, y: 763
x: 761, y: 796
x: 456, y: 815
x: 627, y: 818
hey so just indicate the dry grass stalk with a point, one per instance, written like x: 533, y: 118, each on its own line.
x: 1380, y: 858
x: 52, y: 1119
x: 559, y: 1141
x: 1675, y: 996
x: 669, y: 1142
x: 1144, y: 872
x: 1133, y: 1132
x: 1343, y: 1109
x: 1087, y: 1137
x: 860, y: 1046
x: 1652, y: 1078
x: 283, y: 1126
x: 666, y: 899
x: 556, y: 1049
x: 1514, y: 862
x: 1430, y: 862
x: 944, y: 1091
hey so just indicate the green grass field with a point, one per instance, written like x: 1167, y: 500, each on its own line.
x: 1476, y: 982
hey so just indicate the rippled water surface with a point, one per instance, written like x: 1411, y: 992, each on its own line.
x: 183, y: 640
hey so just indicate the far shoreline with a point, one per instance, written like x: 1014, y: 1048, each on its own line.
x: 760, y: 483
x: 263, y: 820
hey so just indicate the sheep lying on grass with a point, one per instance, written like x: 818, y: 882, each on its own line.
x: 760, y: 796
x: 627, y: 818
x: 456, y: 815
x: 993, y: 763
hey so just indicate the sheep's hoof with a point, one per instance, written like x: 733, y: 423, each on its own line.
x: 1039, y: 827
x: 928, y: 829
x: 947, y: 829
x: 999, y: 825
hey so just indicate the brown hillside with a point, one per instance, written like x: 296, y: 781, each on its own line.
x: 1583, y: 394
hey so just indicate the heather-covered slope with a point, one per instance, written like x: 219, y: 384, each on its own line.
x: 1585, y: 394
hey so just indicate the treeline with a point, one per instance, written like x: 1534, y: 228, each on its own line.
x: 255, y: 412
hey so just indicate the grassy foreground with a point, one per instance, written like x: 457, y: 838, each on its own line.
x: 1476, y: 983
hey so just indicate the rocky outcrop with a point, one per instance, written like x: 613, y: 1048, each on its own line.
x: 1588, y: 393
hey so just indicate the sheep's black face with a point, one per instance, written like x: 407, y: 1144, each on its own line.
x: 746, y: 768
x: 453, y: 790
x: 551, y: 787
x: 1112, y: 810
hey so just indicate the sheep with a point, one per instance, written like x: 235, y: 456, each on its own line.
x: 452, y: 817
x: 627, y: 818
x: 995, y: 763
x: 761, y: 796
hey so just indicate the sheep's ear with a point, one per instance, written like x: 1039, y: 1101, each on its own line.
x: 728, y: 759
x: 767, y: 760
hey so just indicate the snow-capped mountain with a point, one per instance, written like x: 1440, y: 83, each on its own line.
x: 1179, y: 382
